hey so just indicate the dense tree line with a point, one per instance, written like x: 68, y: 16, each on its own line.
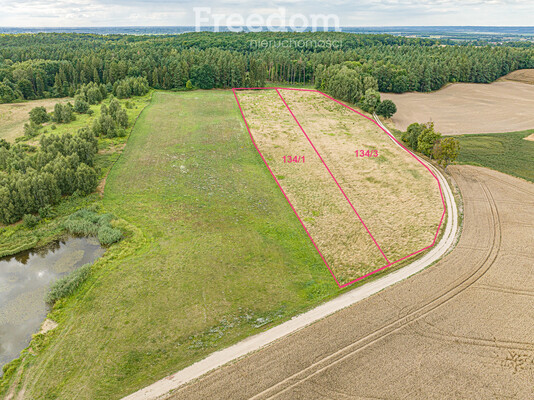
x: 34, y: 178
x: 350, y: 82
x: 55, y: 65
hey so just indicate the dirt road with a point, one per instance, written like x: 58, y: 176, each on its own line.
x: 462, y: 329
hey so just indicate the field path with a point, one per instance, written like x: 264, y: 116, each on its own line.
x: 162, y: 388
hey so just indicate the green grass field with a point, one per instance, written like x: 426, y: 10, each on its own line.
x: 505, y: 152
x: 213, y: 254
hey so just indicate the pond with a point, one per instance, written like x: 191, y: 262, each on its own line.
x: 24, y: 282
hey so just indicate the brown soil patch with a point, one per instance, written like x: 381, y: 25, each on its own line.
x: 48, y: 325
x: 530, y: 138
x: 461, y: 329
x: 397, y: 198
x: 460, y: 108
x: 522, y: 75
x: 14, y: 116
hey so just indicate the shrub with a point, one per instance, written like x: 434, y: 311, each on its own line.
x: 46, y: 212
x: 88, y: 223
x: 108, y: 235
x: 80, y: 105
x: 31, y: 129
x: 38, y: 115
x: 386, y: 108
x: 65, y: 286
x: 30, y: 221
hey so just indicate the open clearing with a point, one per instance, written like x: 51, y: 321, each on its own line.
x: 460, y: 329
x: 396, y: 197
x: 459, y: 108
x: 213, y: 254
x: 13, y: 116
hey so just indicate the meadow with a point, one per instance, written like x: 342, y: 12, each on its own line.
x: 212, y: 254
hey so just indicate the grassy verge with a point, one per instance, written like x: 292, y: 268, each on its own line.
x: 212, y: 254
x: 505, y: 152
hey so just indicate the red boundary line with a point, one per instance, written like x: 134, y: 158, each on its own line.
x: 332, y: 175
x: 291, y: 205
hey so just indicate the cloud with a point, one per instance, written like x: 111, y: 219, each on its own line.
x: 70, y: 13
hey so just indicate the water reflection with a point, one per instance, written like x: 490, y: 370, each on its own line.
x: 24, y: 281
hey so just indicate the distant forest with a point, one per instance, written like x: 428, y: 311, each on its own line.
x: 34, y: 66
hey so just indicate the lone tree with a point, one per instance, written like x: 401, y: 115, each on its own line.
x: 386, y: 108
x: 38, y: 115
x: 446, y: 151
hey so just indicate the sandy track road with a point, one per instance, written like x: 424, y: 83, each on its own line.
x: 463, y: 328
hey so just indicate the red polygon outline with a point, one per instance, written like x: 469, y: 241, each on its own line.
x: 353, y: 208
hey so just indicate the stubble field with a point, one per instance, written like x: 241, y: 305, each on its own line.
x: 14, y: 116
x: 459, y: 108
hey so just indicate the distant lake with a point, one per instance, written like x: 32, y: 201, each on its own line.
x: 24, y: 282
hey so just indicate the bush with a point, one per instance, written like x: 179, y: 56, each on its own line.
x: 46, y: 212
x: 108, y: 235
x: 88, y: 223
x: 31, y: 129
x: 80, y: 105
x: 65, y: 286
x: 38, y: 115
x: 30, y: 221
x: 386, y: 108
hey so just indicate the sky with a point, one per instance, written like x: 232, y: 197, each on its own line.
x: 93, y: 13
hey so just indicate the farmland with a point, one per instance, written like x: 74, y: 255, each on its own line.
x: 460, y: 329
x: 521, y: 75
x: 460, y: 108
x: 511, y: 153
x: 374, y: 185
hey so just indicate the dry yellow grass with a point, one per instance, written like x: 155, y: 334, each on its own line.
x: 14, y: 116
x: 397, y: 198
x: 334, y: 227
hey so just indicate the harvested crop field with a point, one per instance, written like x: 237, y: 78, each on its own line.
x: 522, y: 75
x: 461, y: 329
x: 361, y: 212
x: 14, y: 116
x: 459, y: 108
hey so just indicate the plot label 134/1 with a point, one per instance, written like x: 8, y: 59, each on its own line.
x: 293, y: 159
